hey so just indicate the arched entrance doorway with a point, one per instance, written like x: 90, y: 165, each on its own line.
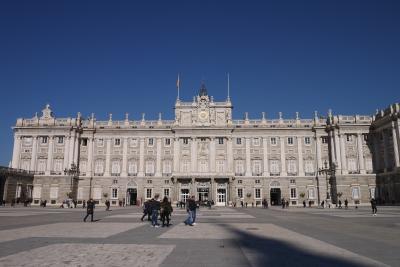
x: 131, y: 193
x: 275, y: 193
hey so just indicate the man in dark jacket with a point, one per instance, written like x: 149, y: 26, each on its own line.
x: 155, y: 207
x: 89, y: 210
x: 191, y: 210
x: 146, y: 210
x: 373, y: 206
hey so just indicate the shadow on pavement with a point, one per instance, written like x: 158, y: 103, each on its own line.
x: 271, y: 252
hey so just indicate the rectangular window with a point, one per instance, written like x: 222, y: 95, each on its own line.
x: 257, y: 181
x: 324, y: 139
x: 149, y: 181
x: 293, y: 192
x: 240, y: 182
x: 238, y: 141
x: 220, y: 140
x: 290, y: 140
x: 307, y: 140
x: 274, y: 164
x: 256, y: 167
x: 133, y: 142
x: 240, y: 192
x: 256, y: 141
x: 366, y: 138
x: 309, y: 167
x: 292, y: 181
x: 167, y: 141
x: 291, y: 167
x: 114, y: 194
x: 149, y: 192
x: 117, y: 142
x: 356, y: 192
x: 311, y: 193
x: 166, y: 181
x: 258, y: 193
x: 100, y: 142
x: 185, y: 141
x: 84, y: 142
x: 150, y: 141
x: 166, y: 192
x: 349, y: 138
x: 27, y: 141
x: 273, y: 140
x: 220, y: 166
x: 44, y: 139
x: 60, y: 140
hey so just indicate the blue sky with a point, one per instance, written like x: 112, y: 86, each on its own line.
x: 124, y: 56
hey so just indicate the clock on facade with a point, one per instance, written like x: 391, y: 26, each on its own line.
x: 203, y: 115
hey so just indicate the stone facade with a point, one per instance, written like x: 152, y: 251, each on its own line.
x: 202, y: 152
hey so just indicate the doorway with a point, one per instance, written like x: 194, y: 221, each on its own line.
x: 221, y: 197
x: 275, y: 196
x: 203, y: 194
x: 131, y: 196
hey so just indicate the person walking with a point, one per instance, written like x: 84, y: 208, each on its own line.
x: 304, y: 203
x: 155, y: 208
x: 166, y: 210
x: 90, y: 210
x: 340, y: 204
x: 146, y: 210
x: 346, y: 204
x: 191, y: 210
x: 84, y: 204
x: 373, y: 206
x: 323, y: 204
x: 107, y: 205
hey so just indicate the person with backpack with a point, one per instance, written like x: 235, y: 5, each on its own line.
x: 166, y: 210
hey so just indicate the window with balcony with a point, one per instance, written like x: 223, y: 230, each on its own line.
x: 60, y: 139
x: 44, y: 139
x: 100, y: 142
x: 167, y: 141
x: 167, y: 167
x: 220, y: 140
x: 311, y: 193
x: 256, y: 141
x: 117, y: 142
x: 273, y: 140
x: 238, y: 141
x: 293, y: 192
x: 150, y: 142
x: 149, y: 193
x: 324, y: 139
x: 149, y: 168
x: 115, y: 168
x: 239, y: 168
x: 220, y: 166
x: 274, y: 166
x: 185, y: 141
x: 257, y: 193
x: 309, y: 168
x: 291, y: 167
x: 99, y: 168
x: 132, y: 168
x: 185, y: 167
x: 166, y: 192
x: 290, y: 140
x: 257, y: 168
x: 133, y: 142
x: 203, y: 165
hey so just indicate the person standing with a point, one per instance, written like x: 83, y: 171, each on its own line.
x: 191, y: 210
x: 84, y: 204
x: 166, y: 210
x: 155, y: 208
x: 107, y: 205
x: 90, y: 210
x: 304, y: 203
x: 346, y: 204
x: 340, y: 204
x: 373, y: 206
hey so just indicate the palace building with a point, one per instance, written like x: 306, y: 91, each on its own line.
x: 206, y: 153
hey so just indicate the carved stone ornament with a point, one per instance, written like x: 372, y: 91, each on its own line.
x: 47, y: 113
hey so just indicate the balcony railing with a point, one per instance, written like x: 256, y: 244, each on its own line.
x: 275, y: 173
x: 292, y: 173
x: 310, y: 173
x: 239, y: 174
x: 98, y: 174
x: 132, y: 174
x: 149, y: 174
x: 256, y: 173
x: 115, y: 174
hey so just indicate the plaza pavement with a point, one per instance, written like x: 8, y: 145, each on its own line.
x: 222, y: 237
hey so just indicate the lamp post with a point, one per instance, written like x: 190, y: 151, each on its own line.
x: 73, y: 172
x: 327, y: 171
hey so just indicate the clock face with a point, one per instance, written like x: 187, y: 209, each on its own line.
x: 203, y: 115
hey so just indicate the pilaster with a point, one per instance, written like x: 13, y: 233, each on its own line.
x: 16, y: 152
x: 141, y: 157
x: 343, y: 154
x: 89, y: 167
x: 108, y: 157
x: 34, y: 154
x: 229, y: 153
x: 283, y: 156
x: 360, y: 153
x: 300, y: 155
x: 248, y: 159
x: 49, y: 155
x: 194, y: 154
x: 265, y: 156
x: 158, y: 157
x: 212, y: 154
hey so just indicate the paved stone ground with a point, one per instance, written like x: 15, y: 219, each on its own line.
x: 222, y: 237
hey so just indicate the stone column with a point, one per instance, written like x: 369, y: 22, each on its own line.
x: 212, y: 154
x: 343, y: 154
x: 16, y: 152
x: 300, y: 155
x: 283, y: 156
x: 395, y: 145
x: 337, y: 151
x: 141, y: 157
x: 265, y: 156
x: 77, y: 148
x: 319, y: 152
x: 385, y: 150
x: 176, y: 155
x: 34, y: 154
x: 71, y: 148
x: 124, y: 172
x: 194, y: 154
x: 89, y: 167
x: 49, y: 155
x: 360, y: 153
x: 158, y: 158
x: 66, y: 152
x: 108, y: 157
x: 229, y: 153
x: 248, y: 158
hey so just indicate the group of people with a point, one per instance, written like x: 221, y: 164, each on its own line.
x: 154, y: 208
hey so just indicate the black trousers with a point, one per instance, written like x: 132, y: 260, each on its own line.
x: 165, y: 216
x: 87, y: 215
